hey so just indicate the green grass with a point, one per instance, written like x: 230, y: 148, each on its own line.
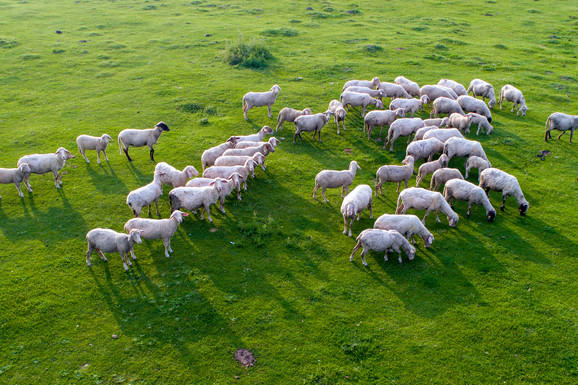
x: 487, y: 303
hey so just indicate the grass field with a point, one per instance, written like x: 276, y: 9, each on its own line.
x: 487, y: 303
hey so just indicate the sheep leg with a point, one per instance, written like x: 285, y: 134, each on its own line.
x: 88, y: 254
x: 124, y: 260
x: 350, y: 226
x: 105, y: 157
x: 469, y: 209
x: 467, y: 172
x: 19, y: 191
x: 354, y: 250
x: 503, y: 206
x: 245, y: 185
x: 563, y: 132
x: 157, y: 206
x: 399, y: 252
x: 398, y: 186
x: 344, y: 224
x: 207, y: 208
x: 363, y: 257
x: 363, y: 109
x: 323, y: 193
x: 437, y: 218
x: 370, y: 206
x: 385, y: 256
x: 152, y: 153
x: 571, y: 133
x: 132, y: 253
x: 315, y: 190
x: 167, y: 243
x: 84, y: 156
x: 55, y: 173
x: 126, y: 153
x: 488, y: 192
x: 269, y: 108
x: 25, y: 180
x: 394, y: 137
x: 98, y: 156
x: 424, y: 217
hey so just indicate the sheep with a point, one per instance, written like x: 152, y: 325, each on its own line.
x: 470, y: 104
x: 156, y: 228
x: 463, y: 190
x: 422, y: 131
x: 354, y: 203
x: 226, y: 188
x: 382, y: 240
x: 430, y: 168
x: 335, y: 179
x: 409, y: 86
x: 422, y: 199
x: 378, y: 93
x: 380, y: 118
x: 425, y: 148
x: 514, y: 95
x: 393, y: 173
x: 440, y: 122
x: 193, y: 198
x: 288, y: 115
x: 460, y: 121
x: 393, y: 91
x: 407, y: 225
x: 260, y: 99
x: 87, y: 142
x: 463, y: 147
x: 339, y: 113
x: 443, y: 134
x: 225, y: 172
x: 355, y: 99
x: 479, y: 87
x: 434, y: 91
x: 373, y: 83
x: 308, y: 123
x: 43, y: 163
x: 402, y: 127
x: 482, y: 123
x: 240, y: 160
x: 264, y: 148
x: 264, y: 131
x: 16, y: 176
x: 561, y: 122
x: 140, y: 138
x: 211, y: 154
x: 476, y: 162
x: 410, y: 106
x: 174, y: 177
x: 109, y: 241
x: 458, y: 88
x: 442, y: 175
x: 146, y: 195
x: 443, y: 105
x: 273, y: 141
x: 498, y: 180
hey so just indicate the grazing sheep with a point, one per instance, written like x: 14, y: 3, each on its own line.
x: 264, y: 148
x: 443, y: 134
x: 339, y: 113
x: 355, y: 99
x: 225, y: 172
x: 443, y: 105
x: 109, y: 241
x: 382, y: 240
x: 463, y: 190
x: 16, y: 176
x: 193, y: 198
x: 442, y: 175
x: 288, y: 115
x: 410, y: 106
x: 419, y: 134
x: 514, y: 95
x: 470, y: 104
x: 87, y: 142
x: 561, y: 122
x: 407, y: 225
x: 393, y: 91
x: 434, y: 91
x: 392, y: 173
x: 146, y: 195
x: 43, y: 163
x: 373, y: 83
x: 156, y: 228
x: 309, y: 123
x: 479, y: 87
x: 430, y: 168
x: 402, y: 127
x: 273, y: 141
x: 461, y: 122
x: 226, y: 188
x: 440, y: 122
x: 482, y: 123
x: 409, y: 86
x: 463, y: 147
x: 498, y: 180
x: 422, y: 199
x: 476, y: 162
x: 240, y: 160
x: 174, y: 177
x: 458, y: 88
x: 359, y: 199
x: 378, y: 93
x: 140, y: 138
x: 425, y: 148
x: 260, y: 99
x: 335, y: 179
x: 266, y: 130
x: 210, y: 155
x: 380, y: 118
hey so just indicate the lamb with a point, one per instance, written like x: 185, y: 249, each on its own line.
x: 193, y: 198
x: 109, y: 241
x: 174, y: 177
x: 240, y: 161
x: 225, y: 172
x: 430, y: 168
x: 339, y: 113
x: 308, y: 123
x: 402, y: 127
x: 407, y: 225
x: 460, y: 121
x: 442, y: 175
x: 354, y: 203
x: 146, y: 195
x: 378, y: 93
x: 561, y: 122
x: 470, y: 104
x: 210, y: 155
x: 393, y: 173
x: 380, y: 118
x: 226, y: 188
x: 382, y: 240
x: 393, y: 91
x: 443, y: 134
x: 355, y: 99
x: 16, y: 176
x: 443, y: 105
x: 419, y: 134
x: 458, y: 88
x: 335, y: 179
x: 273, y: 141
x: 288, y: 115
x: 498, y: 180
x: 373, y: 83
x: 514, y: 95
x: 440, y: 122
x: 434, y: 91
x: 156, y: 228
x: 87, y: 142
x: 260, y: 99
x: 482, y: 123
x: 43, y: 163
x: 463, y: 147
x: 422, y: 199
x: 479, y: 87
x: 410, y: 106
x: 463, y: 190
x: 409, y: 86
x: 266, y: 130
x: 140, y: 138
x: 264, y: 148
x: 426, y: 148
x: 476, y: 162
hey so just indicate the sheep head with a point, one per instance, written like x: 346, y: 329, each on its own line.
x: 523, y: 208
x: 491, y: 215
x: 134, y: 235
x: 105, y: 138
x: 267, y: 130
x: 190, y: 171
x: 178, y: 215
x: 275, y: 89
x: 162, y: 125
x: 64, y: 154
x: 24, y: 168
x: 306, y: 111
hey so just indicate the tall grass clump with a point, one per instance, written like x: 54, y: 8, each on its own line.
x: 253, y: 54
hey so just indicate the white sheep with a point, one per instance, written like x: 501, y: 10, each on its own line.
x: 443, y: 134
x: 359, y: 199
x: 43, y: 163
x: 409, y: 86
x: 140, y: 138
x: 16, y: 176
x: 339, y: 113
x: 260, y: 99
x: 393, y: 173
x: 440, y: 122
x: 434, y: 91
x: 273, y: 141
x: 423, y: 149
x: 156, y: 229
x: 458, y: 88
x: 87, y: 142
x: 460, y: 121
x: 378, y: 93
x: 422, y: 199
x: 146, y: 195
x: 393, y: 91
x: 470, y: 104
x: 173, y: 177
x: 225, y: 172
x: 463, y: 147
x: 407, y: 225
x: 479, y: 87
x: 410, y: 106
x: 240, y: 160
x: 381, y: 119
x: 443, y: 105
x: 193, y: 198
x: 514, y: 95
x: 561, y: 122
x: 335, y: 179
x: 355, y: 99
x: 476, y: 162
x: 430, y: 168
x: 463, y: 190
x: 109, y: 241
x: 498, y: 180
x: 311, y: 123
x: 402, y: 127
x: 288, y: 114
x: 442, y: 175
x: 482, y: 123
x: 373, y: 83
x: 382, y: 240
x: 264, y: 148
x: 419, y: 134
x: 259, y: 136
x: 234, y: 181
x: 211, y: 154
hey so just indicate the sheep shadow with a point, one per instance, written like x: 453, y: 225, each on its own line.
x: 106, y: 182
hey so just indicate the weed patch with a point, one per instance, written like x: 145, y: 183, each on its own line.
x: 283, y: 31
x: 8, y: 43
x: 252, y: 54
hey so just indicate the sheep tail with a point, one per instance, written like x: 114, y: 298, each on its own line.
x: 399, y: 205
x: 119, y: 145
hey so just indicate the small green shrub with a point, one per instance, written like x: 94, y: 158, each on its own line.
x: 191, y: 107
x: 372, y: 48
x: 283, y: 31
x: 253, y: 54
x: 211, y: 110
x: 204, y: 121
x: 441, y: 47
x: 8, y: 43
x: 500, y: 46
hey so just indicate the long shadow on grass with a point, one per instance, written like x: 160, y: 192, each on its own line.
x: 106, y: 182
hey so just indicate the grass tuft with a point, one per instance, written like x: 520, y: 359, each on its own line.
x: 252, y: 54
x: 283, y: 31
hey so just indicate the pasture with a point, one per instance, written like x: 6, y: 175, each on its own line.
x: 487, y: 303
